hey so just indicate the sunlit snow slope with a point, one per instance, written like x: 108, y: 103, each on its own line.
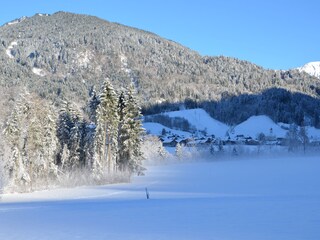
x: 259, y: 124
x: 312, y: 68
x: 201, y: 120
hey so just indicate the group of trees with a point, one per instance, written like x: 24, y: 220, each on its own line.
x: 297, y: 137
x: 42, y: 145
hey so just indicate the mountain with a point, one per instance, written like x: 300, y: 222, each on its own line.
x: 63, y: 55
x: 312, y: 68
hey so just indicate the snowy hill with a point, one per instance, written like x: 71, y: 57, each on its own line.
x: 200, y: 119
x: 312, y: 68
x: 256, y: 125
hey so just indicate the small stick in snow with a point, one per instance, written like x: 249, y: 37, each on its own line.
x: 147, y: 193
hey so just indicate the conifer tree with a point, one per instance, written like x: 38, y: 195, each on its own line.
x: 122, y: 133
x: 13, y: 130
x: 74, y: 145
x: 162, y: 151
x: 130, y: 132
x: 179, y: 151
x: 30, y: 132
x: 50, y: 143
x: 69, y: 135
x: 87, y: 145
x: 106, y: 131
x: 93, y: 104
x: 41, y: 143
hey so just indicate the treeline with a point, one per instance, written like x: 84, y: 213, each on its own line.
x: 42, y: 146
x: 279, y: 104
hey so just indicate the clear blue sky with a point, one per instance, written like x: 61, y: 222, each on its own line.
x: 278, y: 34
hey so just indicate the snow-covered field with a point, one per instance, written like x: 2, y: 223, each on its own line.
x: 231, y: 199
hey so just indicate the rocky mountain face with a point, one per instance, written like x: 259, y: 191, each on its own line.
x: 61, y: 56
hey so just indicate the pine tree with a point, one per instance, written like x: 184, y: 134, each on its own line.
x: 74, y: 146
x: 123, y: 135
x: 130, y: 132
x: 162, y: 151
x: 31, y: 133
x: 50, y: 143
x: 93, y: 104
x: 12, y: 131
x: 87, y: 145
x: 69, y: 135
x: 106, y: 140
x: 41, y: 143
x: 179, y: 151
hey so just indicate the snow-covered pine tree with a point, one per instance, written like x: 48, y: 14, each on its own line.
x: 69, y: 134
x: 50, y: 144
x: 87, y: 145
x: 179, y: 151
x: 13, y: 131
x: 30, y: 132
x: 41, y: 143
x: 92, y: 106
x: 74, y: 145
x: 34, y: 150
x: 130, y: 133
x: 106, y: 140
x: 163, y: 154
x: 122, y: 133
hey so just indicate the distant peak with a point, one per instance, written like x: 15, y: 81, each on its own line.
x: 312, y: 68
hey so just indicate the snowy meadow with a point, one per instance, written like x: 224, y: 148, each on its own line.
x: 248, y: 198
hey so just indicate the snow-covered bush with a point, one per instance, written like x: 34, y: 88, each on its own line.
x: 153, y: 150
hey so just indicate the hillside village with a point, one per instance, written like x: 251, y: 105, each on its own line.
x: 206, y: 131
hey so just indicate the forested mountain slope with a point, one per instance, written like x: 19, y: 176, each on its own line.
x: 61, y: 56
